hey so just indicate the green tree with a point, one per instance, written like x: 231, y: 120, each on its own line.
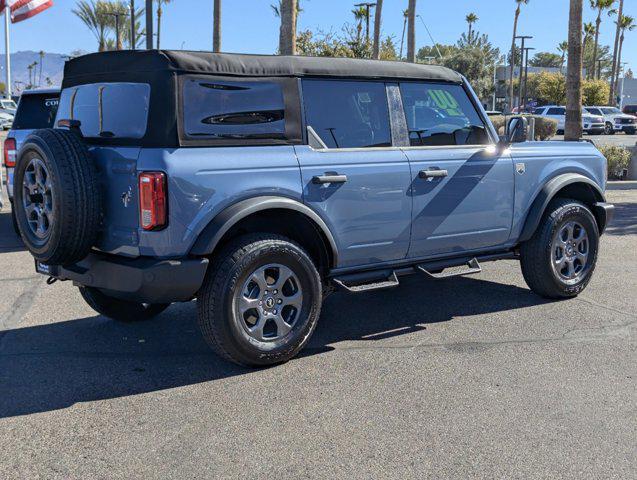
x: 95, y: 15
x: 600, y: 6
x: 471, y: 19
x: 595, y: 92
x: 548, y: 88
x: 563, y: 49
x: 626, y: 23
x: 388, y: 49
x: 546, y: 59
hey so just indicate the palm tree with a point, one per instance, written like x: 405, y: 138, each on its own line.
x: 411, y: 31
x: 563, y: 49
x: 516, y: 17
x: 613, y: 72
x: 625, y: 23
x: 287, y: 32
x: 471, y: 19
x: 573, y: 124
x: 41, y: 54
x: 159, y: 13
x: 402, y: 38
x: 216, y: 27
x: 94, y: 14
x: 600, y: 6
x: 360, y: 14
x: 589, y: 32
x: 377, y: 21
x: 140, y: 33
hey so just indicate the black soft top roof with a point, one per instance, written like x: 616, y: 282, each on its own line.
x: 96, y: 66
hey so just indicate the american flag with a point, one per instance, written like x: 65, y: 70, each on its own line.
x: 23, y: 9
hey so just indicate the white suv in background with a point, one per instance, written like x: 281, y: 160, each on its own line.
x: 592, y: 124
x: 615, y: 120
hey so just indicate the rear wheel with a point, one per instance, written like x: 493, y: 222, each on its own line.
x: 120, y: 310
x: 558, y: 261
x: 261, y: 300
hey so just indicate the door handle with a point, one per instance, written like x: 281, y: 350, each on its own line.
x: 329, y: 178
x: 431, y: 173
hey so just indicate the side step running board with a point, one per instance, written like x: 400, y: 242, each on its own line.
x: 473, y: 266
x: 379, y: 284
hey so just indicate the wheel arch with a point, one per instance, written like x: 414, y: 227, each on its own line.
x: 270, y: 214
x: 567, y: 185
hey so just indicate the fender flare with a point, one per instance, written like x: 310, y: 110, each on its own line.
x: 231, y: 215
x: 548, y: 192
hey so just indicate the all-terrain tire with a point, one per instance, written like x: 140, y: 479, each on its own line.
x: 120, y: 310
x: 222, y: 324
x: 74, y: 193
x: 537, y: 254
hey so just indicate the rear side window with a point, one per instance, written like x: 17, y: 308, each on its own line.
x: 348, y: 114
x: 107, y: 110
x: 556, y: 111
x: 594, y: 111
x: 233, y: 110
x: 441, y: 115
x: 36, y: 111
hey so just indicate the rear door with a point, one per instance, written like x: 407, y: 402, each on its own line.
x: 462, y: 188
x: 558, y: 114
x: 359, y: 183
x: 113, y: 111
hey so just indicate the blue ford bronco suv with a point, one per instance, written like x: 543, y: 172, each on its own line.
x: 256, y: 184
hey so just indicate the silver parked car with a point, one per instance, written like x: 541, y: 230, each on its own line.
x: 615, y: 120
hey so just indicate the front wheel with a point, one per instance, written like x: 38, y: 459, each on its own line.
x: 559, y: 259
x: 120, y: 310
x: 608, y: 129
x: 261, y: 300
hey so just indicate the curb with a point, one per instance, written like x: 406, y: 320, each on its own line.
x: 622, y: 185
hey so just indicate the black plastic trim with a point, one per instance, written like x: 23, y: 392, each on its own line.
x: 604, y: 213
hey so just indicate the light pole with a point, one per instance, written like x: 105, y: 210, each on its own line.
x: 149, y: 24
x: 525, y: 52
x: 118, y: 38
x: 523, y: 38
x: 367, y: 7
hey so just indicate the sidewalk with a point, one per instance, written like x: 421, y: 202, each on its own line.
x: 621, y: 185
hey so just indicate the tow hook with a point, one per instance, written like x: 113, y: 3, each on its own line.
x: 51, y: 280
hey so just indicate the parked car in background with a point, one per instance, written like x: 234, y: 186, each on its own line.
x: 6, y: 121
x: 7, y: 105
x: 591, y: 124
x: 494, y: 113
x: 256, y: 184
x: 614, y: 119
x: 36, y: 109
x: 630, y: 110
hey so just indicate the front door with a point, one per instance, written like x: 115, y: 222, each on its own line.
x: 359, y: 183
x: 462, y: 189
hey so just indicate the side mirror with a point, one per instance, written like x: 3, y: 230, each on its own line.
x: 517, y: 130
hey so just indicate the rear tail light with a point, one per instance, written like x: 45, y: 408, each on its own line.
x: 9, y: 152
x: 152, y: 200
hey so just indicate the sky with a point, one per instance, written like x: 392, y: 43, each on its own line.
x: 249, y: 26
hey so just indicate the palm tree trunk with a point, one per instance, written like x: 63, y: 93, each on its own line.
x: 287, y: 33
x: 216, y: 27
x: 512, y: 61
x: 377, y: 21
x: 411, y: 32
x: 597, y: 24
x: 469, y: 37
x: 620, y: 14
x: 573, y: 125
x: 159, y: 12
x: 619, y: 67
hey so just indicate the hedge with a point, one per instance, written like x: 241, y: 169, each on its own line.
x: 545, y: 128
x: 618, y: 159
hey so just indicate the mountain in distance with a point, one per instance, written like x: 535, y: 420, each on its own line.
x: 52, y: 68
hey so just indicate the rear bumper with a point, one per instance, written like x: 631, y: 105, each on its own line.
x: 604, y: 213
x: 145, y: 280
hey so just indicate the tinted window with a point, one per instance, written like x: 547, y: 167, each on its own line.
x: 611, y: 111
x: 348, y: 114
x: 556, y: 111
x: 36, y: 111
x: 233, y: 109
x: 439, y: 114
x: 594, y: 111
x: 539, y: 111
x: 108, y: 110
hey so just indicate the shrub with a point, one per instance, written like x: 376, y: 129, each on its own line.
x: 618, y: 159
x: 545, y: 128
x: 595, y: 92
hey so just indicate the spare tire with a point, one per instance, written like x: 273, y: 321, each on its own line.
x: 57, y: 196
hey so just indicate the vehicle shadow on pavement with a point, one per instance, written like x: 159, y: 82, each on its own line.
x: 625, y: 220
x: 53, y: 366
x: 9, y: 241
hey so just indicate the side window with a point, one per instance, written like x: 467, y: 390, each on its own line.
x: 441, y: 114
x: 594, y: 111
x: 539, y: 111
x: 556, y: 111
x: 348, y: 114
x: 233, y: 110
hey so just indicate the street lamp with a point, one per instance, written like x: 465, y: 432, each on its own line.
x: 525, y: 52
x: 367, y: 7
x: 523, y: 38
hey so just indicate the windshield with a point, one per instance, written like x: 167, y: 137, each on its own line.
x: 611, y: 111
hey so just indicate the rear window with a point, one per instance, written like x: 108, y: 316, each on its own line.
x: 36, y: 111
x: 107, y: 110
x: 233, y: 110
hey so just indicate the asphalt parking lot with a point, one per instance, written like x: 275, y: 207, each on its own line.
x: 470, y: 377
x: 619, y: 139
